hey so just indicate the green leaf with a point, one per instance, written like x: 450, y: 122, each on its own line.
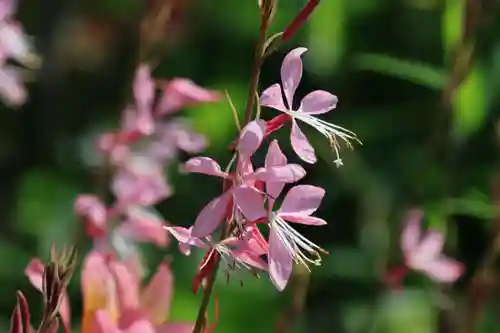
x: 418, y: 73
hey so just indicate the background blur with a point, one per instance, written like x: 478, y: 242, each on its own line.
x: 417, y: 80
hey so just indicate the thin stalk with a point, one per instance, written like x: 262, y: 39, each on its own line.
x: 257, y: 62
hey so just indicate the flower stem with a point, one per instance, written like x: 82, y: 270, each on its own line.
x: 257, y: 62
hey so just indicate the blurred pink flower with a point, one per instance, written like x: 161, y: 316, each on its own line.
x: 140, y: 180
x: 170, y: 137
x: 136, y: 223
x: 424, y: 254
x: 242, y: 192
x: 316, y: 102
x: 179, y: 93
x: 16, y: 45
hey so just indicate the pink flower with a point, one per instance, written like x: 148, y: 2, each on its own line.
x: 242, y: 193
x: 171, y: 136
x: 236, y: 251
x: 316, y: 102
x: 424, y: 254
x: 16, y: 45
x: 140, y: 180
x: 286, y: 245
x: 179, y: 93
x: 140, y: 224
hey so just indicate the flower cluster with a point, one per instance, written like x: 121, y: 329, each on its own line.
x: 138, y: 154
x: 250, y: 192
x: 14, y: 44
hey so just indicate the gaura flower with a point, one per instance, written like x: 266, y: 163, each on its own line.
x: 242, y: 193
x: 286, y: 245
x: 424, y: 253
x: 314, y: 103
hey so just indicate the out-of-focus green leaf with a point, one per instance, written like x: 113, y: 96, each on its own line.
x: 45, y: 208
x: 408, y: 311
x: 326, y: 36
x: 474, y: 203
x: 418, y: 73
x: 469, y: 104
x: 216, y: 120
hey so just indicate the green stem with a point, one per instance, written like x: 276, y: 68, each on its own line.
x: 257, y: 62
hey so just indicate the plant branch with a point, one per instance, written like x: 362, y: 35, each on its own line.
x: 257, y: 62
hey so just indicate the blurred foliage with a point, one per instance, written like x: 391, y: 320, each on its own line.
x: 416, y: 80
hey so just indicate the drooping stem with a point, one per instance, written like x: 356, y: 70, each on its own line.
x: 254, y: 81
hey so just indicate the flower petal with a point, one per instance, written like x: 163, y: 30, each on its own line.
x: 175, y: 328
x: 211, y: 215
x: 141, y: 326
x: 273, y: 98
x: 183, y: 92
x: 157, y: 296
x: 302, y: 200
x: 204, y: 165
x: 34, y: 272
x: 291, y: 73
x: 102, y: 323
x: 144, y: 91
x: 289, y: 173
x: 280, y: 261
x: 250, y: 202
x: 301, y: 145
x: 431, y: 245
x: 410, y: 236
x: 318, y: 102
x: 93, y: 210
x: 144, y: 225
x: 444, y: 270
x: 127, y: 286
x: 98, y: 289
x: 251, y: 137
x: 274, y: 157
x: 185, y: 239
x: 303, y: 219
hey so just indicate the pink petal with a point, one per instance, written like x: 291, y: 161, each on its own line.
x: 280, y: 261
x: 34, y: 272
x: 318, y: 102
x: 431, y: 245
x: 272, y: 98
x: 204, y: 165
x: 16, y: 43
x: 144, y: 91
x: 141, y: 326
x: 7, y: 9
x: 291, y: 73
x: 93, y: 210
x: 410, y: 236
x: 301, y: 145
x: 211, y: 215
x: 175, y: 328
x: 302, y: 200
x: 251, y: 137
x: 183, y: 92
x: 127, y: 285
x: 444, y: 270
x: 187, y: 138
x: 185, y: 239
x: 12, y: 90
x: 157, y: 296
x: 144, y: 225
x: 102, y: 323
x: 289, y: 173
x: 274, y: 157
x: 250, y: 202
x: 303, y: 219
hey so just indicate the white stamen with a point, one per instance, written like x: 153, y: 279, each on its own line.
x: 328, y: 130
x: 300, y: 248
